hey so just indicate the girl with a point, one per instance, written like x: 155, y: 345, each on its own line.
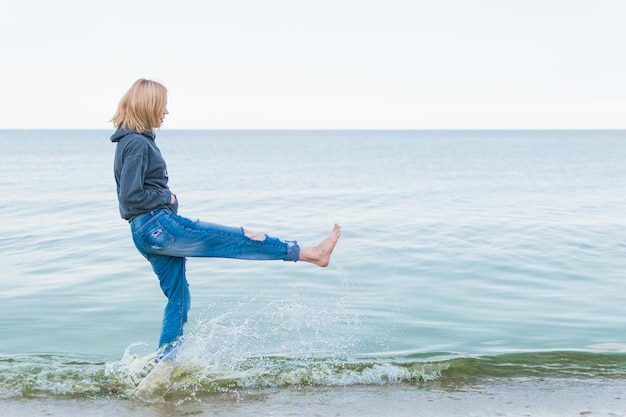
x: 162, y: 236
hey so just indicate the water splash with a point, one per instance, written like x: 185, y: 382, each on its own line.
x: 290, y: 342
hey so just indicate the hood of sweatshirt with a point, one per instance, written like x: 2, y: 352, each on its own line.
x: 120, y: 133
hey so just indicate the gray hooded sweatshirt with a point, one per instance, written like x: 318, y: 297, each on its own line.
x: 140, y: 174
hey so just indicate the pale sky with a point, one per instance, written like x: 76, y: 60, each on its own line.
x: 318, y: 64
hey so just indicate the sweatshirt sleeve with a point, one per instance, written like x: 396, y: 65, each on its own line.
x: 133, y: 192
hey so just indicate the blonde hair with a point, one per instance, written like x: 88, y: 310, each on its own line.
x: 142, y: 107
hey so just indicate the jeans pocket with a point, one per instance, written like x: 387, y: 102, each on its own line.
x: 155, y: 238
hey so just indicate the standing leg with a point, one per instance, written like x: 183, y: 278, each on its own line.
x: 171, y: 273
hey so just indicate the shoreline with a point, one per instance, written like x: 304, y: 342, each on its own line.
x: 514, y: 397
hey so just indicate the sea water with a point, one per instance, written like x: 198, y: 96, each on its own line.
x: 467, y: 259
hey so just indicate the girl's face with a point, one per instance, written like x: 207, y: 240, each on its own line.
x: 164, y: 113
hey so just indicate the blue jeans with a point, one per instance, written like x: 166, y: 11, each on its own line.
x: 166, y: 239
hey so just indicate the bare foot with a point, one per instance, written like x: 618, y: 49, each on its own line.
x: 320, y: 254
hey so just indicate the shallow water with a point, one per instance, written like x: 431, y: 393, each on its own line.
x: 464, y: 256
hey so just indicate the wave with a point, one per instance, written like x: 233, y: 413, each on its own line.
x: 138, y: 376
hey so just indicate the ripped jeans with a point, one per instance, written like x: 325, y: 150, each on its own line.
x: 166, y: 239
